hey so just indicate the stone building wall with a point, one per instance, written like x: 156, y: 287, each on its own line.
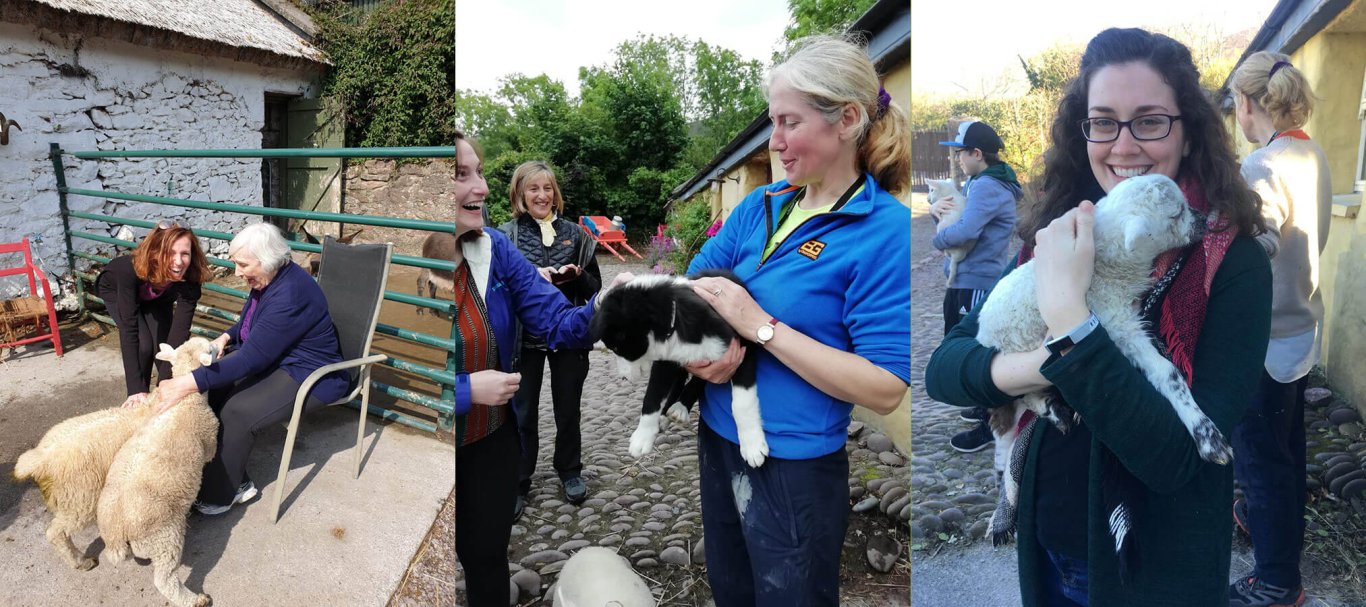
x: 91, y: 93
x: 418, y: 190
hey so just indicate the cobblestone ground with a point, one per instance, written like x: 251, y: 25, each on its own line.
x: 648, y: 509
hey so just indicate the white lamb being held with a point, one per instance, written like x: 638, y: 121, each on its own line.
x: 1139, y: 219
x: 155, y: 477
x: 942, y: 189
x: 69, y: 465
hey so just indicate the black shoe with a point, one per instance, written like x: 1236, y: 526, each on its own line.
x: 971, y: 441
x: 975, y: 414
x: 518, y: 508
x: 1253, y: 592
x: 575, y: 492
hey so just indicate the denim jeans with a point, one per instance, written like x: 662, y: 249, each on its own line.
x: 1065, y: 582
x: 1268, y: 458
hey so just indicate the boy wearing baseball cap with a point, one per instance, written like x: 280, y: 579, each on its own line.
x: 991, y: 192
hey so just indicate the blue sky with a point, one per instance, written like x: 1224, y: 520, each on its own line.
x: 498, y: 37
x: 971, y: 47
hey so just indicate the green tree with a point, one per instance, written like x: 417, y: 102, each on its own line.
x: 823, y: 16
x: 393, y: 70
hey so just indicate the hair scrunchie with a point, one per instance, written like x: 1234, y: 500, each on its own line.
x: 1276, y: 67
x: 883, y: 100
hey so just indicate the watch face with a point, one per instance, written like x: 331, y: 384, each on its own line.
x: 764, y: 333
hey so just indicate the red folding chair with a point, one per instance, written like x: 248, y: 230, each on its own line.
x: 21, y: 317
x: 602, y: 231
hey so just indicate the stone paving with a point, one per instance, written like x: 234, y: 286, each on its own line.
x: 648, y: 509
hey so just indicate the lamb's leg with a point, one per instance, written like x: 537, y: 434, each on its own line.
x: 744, y: 406
x: 59, y: 535
x: 164, y: 547
x: 421, y: 284
x: 1129, y: 336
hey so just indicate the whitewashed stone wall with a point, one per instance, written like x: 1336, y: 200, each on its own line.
x: 97, y: 94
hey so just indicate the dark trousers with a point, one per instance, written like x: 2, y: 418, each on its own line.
x: 1268, y: 457
x: 957, y: 304
x: 244, y: 409
x: 568, y: 370
x: 154, y: 329
x: 1065, y: 581
x: 773, y: 534
x: 485, y: 489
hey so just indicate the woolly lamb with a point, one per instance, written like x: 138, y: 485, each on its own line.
x: 939, y: 190
x: 69, y: 465
x: 155, y: 477
x: 596, y: 577
x: 1137, y: 221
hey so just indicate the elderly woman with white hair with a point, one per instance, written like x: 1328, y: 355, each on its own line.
x: 284, y: 334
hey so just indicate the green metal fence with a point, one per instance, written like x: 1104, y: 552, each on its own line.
x: 444, y: 407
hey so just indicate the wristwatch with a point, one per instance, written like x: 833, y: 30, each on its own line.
x: 1058, y: 344
x: 765, y: 331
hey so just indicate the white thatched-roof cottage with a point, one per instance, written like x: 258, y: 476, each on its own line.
x: 146, y: 74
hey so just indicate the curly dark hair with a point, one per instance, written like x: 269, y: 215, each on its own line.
x: 1068, y: 178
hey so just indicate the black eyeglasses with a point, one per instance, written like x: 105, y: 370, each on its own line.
x: 1148, y: 127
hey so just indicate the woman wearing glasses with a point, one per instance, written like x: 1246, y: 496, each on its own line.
x: 151, y: 295
x: 1135, y: 108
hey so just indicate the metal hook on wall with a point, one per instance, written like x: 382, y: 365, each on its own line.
x: 5, y: 124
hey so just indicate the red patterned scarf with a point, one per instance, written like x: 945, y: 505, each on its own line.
x: 476, y: 351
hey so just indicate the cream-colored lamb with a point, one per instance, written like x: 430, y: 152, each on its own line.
x: 155, y: 477
x: 69, y: 465
x: 599, y: 577
x: 1139, y: 219
x: 941, y: 189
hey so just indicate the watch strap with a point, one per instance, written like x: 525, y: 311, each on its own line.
x: 1058, y: 344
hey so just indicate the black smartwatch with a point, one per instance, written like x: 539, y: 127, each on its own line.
x: 1058, y: 344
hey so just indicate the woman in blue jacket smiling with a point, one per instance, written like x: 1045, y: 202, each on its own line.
x: 285, y: 334
x: 826, y: 258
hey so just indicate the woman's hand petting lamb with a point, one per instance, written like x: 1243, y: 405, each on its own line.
x: 170, y: 392
x: 1065, y: 255
x: 493, y: 388
x: 719, y: 371
x: 134, y: 400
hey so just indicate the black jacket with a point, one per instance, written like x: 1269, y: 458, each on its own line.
x: 119, y: 283
x: 571, y: 245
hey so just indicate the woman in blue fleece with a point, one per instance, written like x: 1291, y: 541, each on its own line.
x: 825, y: 254
x: 285, y: 334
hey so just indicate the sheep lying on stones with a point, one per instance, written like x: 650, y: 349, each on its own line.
x: 597, y: 576
x: 1139, y: 219
x: 154, y: 479
x: 69, y: 465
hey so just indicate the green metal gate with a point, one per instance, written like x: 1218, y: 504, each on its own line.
x: 444, y: 407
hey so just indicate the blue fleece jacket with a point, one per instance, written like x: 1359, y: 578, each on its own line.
x: 841, y: 278
x: 515, y: 291
x: 988, y: 218
x: 290, y: 329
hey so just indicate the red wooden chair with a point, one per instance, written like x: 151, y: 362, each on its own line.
x: 602, y: 230
x: 21, y: 317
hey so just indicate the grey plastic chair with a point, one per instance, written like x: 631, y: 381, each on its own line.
x: 353, y: 278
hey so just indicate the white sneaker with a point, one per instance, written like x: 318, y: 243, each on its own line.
x: 245, y: 493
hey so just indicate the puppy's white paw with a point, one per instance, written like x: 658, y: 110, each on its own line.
x: 753, y: 448
x: 643, y: 439
x: 678, y: 413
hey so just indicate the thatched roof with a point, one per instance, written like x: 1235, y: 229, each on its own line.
x: 247, y: 24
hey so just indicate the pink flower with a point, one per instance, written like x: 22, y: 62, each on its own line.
x: 715, y: 227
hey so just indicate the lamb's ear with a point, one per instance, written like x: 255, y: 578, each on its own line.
x: 1134, y: 230
x: 167, y: 353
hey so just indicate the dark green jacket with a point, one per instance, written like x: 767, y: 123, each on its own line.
x: 1183, y: 526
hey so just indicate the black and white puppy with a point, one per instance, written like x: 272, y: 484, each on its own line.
x: 657, y: 322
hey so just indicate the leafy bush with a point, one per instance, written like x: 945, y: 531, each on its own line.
x: 688, y: 223
x: 393, y: 70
